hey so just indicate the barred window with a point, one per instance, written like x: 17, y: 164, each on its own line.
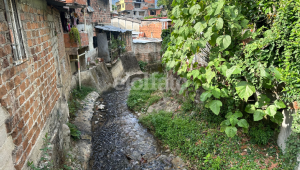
x: 15, y: 29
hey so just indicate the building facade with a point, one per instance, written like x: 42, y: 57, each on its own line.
x: 137, y: 9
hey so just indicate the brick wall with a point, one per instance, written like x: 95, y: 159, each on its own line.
x: 80, y: 2
x: 150, y: 1
x: 148, y: 52
x: 84, y: 39
x: 29, y: 91
x: 129, y: 6
x: 152, y: 29
x: 101, y: 14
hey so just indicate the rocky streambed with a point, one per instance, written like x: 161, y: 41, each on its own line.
x: 120, y: 142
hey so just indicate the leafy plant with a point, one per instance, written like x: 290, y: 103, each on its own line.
x: 75, y: 36
x: 236, y: 71
x: 261, y: 134
x: 153, y: 99
x: 143, y: 65
x: 75, y: 133
x: 165, y: 36
x: 77, y: 94
x: 211, y: 163
x: 117, y: 47
x: 44, y: 160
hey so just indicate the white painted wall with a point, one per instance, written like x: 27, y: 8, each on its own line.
x: 121, y: 23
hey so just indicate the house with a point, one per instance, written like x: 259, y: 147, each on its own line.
x: 152, y: 28
x: 137, y: 9
x: 37, y: 61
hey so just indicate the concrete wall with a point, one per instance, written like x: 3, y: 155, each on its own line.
x: 91, y: 51
x: 148, y: 52
x: 125, y: 24
x: 98, y: 77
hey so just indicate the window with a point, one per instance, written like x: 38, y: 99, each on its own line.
x: 88, y: 2
x: 137, y: 5
x: 123, y: 5
x: 141, y: 13
x: 15, y: 28
x: 134, y: 13
x: 152, y: 12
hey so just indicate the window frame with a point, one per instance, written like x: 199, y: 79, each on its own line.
x: 18, y: 42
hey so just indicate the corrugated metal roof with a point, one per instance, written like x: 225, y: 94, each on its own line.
x: 90, y: 9
x: 111, y: 28
x: 146, y: 40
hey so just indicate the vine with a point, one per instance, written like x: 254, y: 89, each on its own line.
x: 237, y: 71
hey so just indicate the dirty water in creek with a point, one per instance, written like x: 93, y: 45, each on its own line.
x: 119, y: 141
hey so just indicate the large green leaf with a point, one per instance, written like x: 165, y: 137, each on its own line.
x: 244, y: 23
x: 224, y: 41
x: 250, y: 108
x: 233, y: 70
x: 195, y: 9
x: 204, y: 96
x: 220, y: 4
x: 238, y: 114
x: 279, y: 104
x: 224, y: 92
x: 258, y: 115
x: 210, y: 74
x: 219, y: 23
x: 243, y: 123
x: 278, y: 118
x: 233, y: 121
x: 216, y: 92
x: 245, y: 90
x: 200, y: 26
x: 231, y: 131
x: 176, y: 11
x: 215, y: 106
x: 262, y: 101
x: 212, y: 21
x: 271, y: 110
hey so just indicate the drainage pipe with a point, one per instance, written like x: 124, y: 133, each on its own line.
x: 78, y: 57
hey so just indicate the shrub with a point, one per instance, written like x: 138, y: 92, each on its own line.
x: 261, y: 134
x: 75, y: 133
x: 143, y: 65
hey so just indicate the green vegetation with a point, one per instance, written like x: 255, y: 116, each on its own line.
x: 261, y: 134
x: 150, y: 17
x: 253, y: 47
x: 141, y: 92
x: 165, y: 35
x: 143, y: 65
x: 198, y: 140
x: 75, y: 36
x: 76, y: 96
x: 75, y: 133
x: 117, y: 47
x: 45, y: 156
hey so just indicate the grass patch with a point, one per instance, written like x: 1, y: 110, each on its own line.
x: 199, y: 141
x: 140, y: 95
x: 76, y: 96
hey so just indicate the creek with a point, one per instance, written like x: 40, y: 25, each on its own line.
x: 119, y: 141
